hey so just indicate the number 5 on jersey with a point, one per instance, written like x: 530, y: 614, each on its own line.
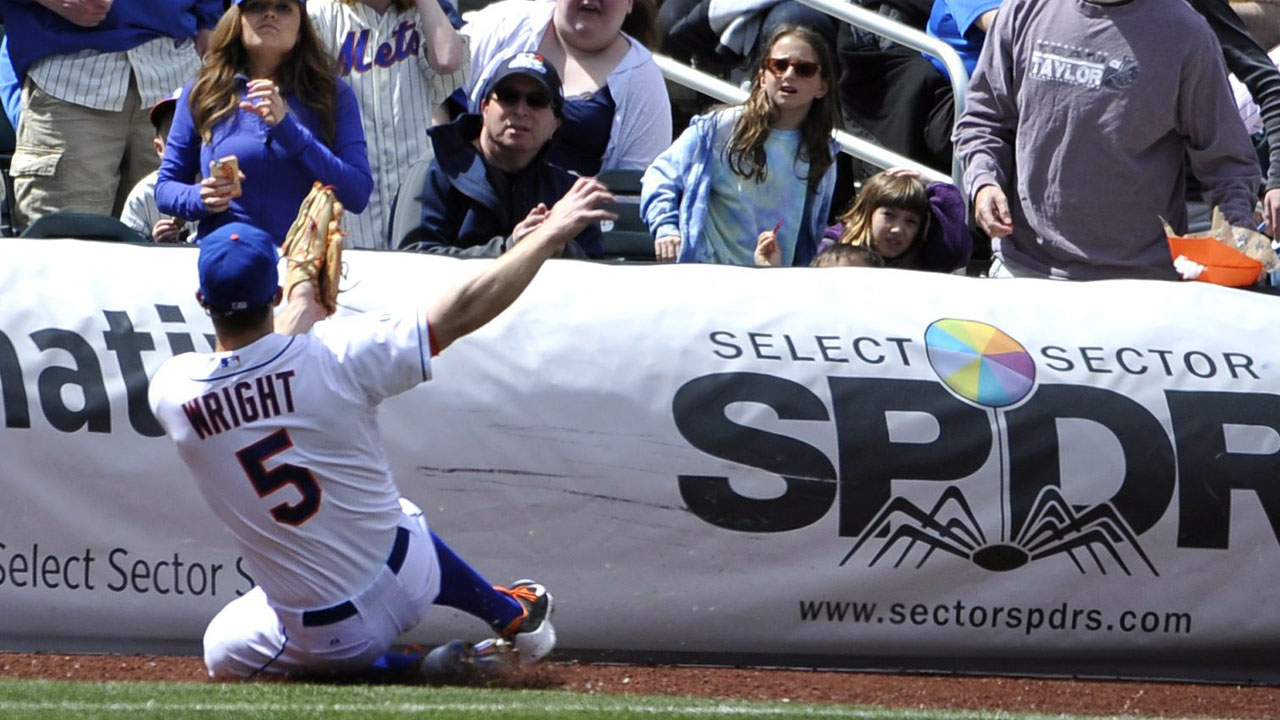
x: 265, y: 482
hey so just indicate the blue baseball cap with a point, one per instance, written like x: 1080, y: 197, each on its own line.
x: 163, y: 110
x: 531, y: 65
x: 238, y: 268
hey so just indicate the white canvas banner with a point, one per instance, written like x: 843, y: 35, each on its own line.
x: 831, y: 467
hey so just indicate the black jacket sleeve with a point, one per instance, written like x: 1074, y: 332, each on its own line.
x: 1248, y: 62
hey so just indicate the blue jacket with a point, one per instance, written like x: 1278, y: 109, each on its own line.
x: 35, y: 32
x: 280, y: 164
x: 461, y: 209
x: 676, y: 188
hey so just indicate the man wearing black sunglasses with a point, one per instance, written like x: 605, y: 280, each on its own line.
x: 490, y: 183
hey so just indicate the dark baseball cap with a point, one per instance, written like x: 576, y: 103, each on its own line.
x: 238, y: 268
x: 530, y: 65
x: 163, y: 110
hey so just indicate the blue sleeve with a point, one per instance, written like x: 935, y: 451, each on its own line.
x: 662, y: 186
x: 820, y: 210
x: 346, y: 166
x: 176, y: 194
x: 10, y: 88
x: 966, y: 12
x: 208, y: 13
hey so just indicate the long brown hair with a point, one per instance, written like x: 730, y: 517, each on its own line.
x: 307, y: 72
x: 900, y: 192
x: 745, y: 150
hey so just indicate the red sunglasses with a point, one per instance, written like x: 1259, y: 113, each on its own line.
x: 803, y: 68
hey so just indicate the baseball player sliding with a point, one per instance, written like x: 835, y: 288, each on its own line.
x: 280, y: 433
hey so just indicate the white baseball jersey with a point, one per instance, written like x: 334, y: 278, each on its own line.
x: 283, y: 441
x: 383, y: 59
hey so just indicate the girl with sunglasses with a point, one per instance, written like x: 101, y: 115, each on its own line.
x: 739, y: 171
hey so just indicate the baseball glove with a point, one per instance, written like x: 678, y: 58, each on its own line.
x: 313, y: 246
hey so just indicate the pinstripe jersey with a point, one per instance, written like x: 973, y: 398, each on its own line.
x: 100, y: 80
x: 383, y: 58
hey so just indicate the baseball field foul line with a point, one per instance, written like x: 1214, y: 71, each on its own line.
x: 153, y: 707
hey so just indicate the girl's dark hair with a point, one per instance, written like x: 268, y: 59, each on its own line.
x: 901, y: 192
x: 307, y: 72
x: 642, y: 23
x: 745, y: 151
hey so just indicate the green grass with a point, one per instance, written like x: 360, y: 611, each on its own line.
x: 264, y: 701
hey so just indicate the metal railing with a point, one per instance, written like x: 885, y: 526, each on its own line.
x: 861, y: 17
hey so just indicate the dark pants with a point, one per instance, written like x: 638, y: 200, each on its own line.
x: 897, y: 96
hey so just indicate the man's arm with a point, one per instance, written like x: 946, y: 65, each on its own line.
x: 475, y: 302
x: 984, y: 20
x: 444, y: 50
x: 984, y: 133
x: 1222, y: 156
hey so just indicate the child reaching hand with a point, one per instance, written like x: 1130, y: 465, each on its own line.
x: 908, y: 223
x: 833, y: 255
x: 738, y: 171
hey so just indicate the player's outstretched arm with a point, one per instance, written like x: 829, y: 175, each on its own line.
x: 477, y: 301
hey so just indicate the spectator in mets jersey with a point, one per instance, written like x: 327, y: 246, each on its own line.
x: 402, y: 58
x: 91, y: 70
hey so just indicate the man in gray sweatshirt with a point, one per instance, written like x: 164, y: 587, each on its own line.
x: 1073, y: 137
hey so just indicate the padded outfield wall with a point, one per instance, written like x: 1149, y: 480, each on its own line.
x: 837, y: 467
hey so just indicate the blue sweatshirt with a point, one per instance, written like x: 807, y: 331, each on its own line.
x: 279, y: 163
x: 35, y: 32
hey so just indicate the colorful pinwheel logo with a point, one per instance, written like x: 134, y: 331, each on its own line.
x: 982, y: 364
x: 979, y: 362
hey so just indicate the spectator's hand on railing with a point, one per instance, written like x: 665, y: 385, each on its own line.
x: 991, y: 211
x: 217, y: 191
x: 85, y: 13
x: 263, y: 98
x: 667, y: 248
